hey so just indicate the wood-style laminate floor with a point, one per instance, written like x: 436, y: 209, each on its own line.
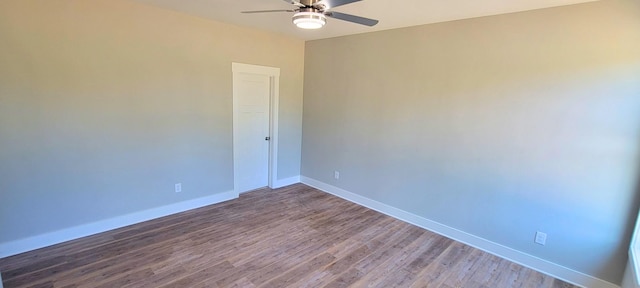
x: 295, y: 236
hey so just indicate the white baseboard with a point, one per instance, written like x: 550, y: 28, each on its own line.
x: 286, y: 182
x: 48, y: 239
x: 524, y: 259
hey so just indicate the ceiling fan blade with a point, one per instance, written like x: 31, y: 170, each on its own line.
x: 266, y: 11
x: 293, y: 2
x: 352, y: 18
x: 329, y: 4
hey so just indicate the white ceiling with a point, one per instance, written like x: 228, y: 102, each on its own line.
x: 392, y: 14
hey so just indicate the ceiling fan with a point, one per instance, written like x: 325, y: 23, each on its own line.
x: 312, y: 14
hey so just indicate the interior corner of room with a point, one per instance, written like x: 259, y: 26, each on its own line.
x: 518, y: 134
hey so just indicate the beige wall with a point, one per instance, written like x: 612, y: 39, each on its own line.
x: 498, y: 126
x: 104, y: 105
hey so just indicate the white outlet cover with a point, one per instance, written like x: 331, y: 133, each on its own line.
x: 541, y: 238
x: 178, y: 187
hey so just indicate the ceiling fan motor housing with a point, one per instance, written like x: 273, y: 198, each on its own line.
x: 309, y: 18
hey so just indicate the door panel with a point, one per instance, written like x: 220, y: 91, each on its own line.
x: 252, y: 127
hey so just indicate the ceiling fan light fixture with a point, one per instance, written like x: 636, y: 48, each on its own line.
x: 309, y: 20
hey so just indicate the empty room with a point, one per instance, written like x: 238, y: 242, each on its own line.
x: 333, y: 143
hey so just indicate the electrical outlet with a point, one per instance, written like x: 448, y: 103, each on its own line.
x: 541, y: 238
x: 178, y: 187
x: 336, y: 175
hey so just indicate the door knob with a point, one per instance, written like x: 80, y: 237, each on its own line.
x: 267, y: 138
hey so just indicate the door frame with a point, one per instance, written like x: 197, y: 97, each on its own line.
x: 274, y: 94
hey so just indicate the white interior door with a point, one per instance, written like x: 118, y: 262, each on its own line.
x: 255, y: 126
x: 252, y: 133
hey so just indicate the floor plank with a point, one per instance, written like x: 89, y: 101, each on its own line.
x: 294, y: 236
